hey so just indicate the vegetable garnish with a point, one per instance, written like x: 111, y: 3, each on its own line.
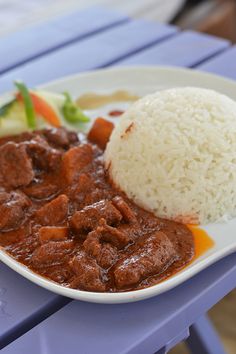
x: 28, y: 104
x: 32, y: 109
x: 5, y: 108
x: 73, y: 113
x: 42, y: 108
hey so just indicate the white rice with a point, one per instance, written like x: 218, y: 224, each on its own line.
x: 178, y: 159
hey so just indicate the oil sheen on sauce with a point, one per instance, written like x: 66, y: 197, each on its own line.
x: 93, y: 100
x: 202, y: 241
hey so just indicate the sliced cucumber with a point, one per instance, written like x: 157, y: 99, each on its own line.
x: 14, y: 121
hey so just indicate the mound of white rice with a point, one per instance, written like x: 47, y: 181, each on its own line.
x: 174, y: 153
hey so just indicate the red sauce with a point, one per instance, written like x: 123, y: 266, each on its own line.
x: 202, y: 241
x: 116, y: 113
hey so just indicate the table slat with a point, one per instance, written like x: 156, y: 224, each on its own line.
x: 187, y: 49
x: 223, y: 64
x: 23, y: 305
x: 135, y: 328
x: 99, y: 50
x: 35, y: 41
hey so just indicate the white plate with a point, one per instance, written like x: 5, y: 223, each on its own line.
x: 141, y: 80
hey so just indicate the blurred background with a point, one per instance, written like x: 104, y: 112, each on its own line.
x: 216, y: 17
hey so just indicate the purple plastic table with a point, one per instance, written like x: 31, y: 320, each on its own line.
x: 33, y: 320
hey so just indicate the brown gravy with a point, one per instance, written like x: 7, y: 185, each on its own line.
x: 62, y: 218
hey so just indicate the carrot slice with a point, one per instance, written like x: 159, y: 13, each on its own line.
x: 100, y: 132
x: 42, y: 108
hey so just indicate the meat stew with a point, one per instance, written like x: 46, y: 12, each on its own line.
x: 64, y: 219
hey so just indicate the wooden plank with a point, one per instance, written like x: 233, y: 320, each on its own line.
x: 98, y: 51
x: 223, y: 64
x: 35, y: 41
x: 187, y: 49
x: 23, y: 305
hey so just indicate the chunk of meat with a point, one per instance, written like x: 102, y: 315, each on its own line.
x: 108, y: 256
x: 52, y: 253
x: 104, y: 253
x: 7, y: 238
x: 110, y: 234
x: 17, y: 138
x: 57, y: 137
x: 149, y: 257
x: 73, y: 137
x: 54, y: 212
x: 88, y: 191
x: 85, y: 184
x: 13, y: 206
x: 4, y: 196
x: 125, y: 210
x: 92, y: 244
x: 85, y: 192
x: 100, y: 132
x: 41, y: 190
x: 88, y: 218
x: 53, y: 233
x: 60, y: 137
x: 75, y: 160
x: 58, y: 273
x: 88, y: 273
x: 43, y: 155
x: 15, y: 165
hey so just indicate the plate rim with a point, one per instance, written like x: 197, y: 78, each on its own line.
x: 124, y: 68
x: 141, y: 294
